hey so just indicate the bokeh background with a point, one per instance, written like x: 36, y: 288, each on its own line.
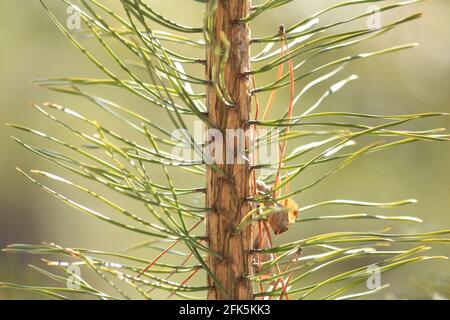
x: 407, y: 82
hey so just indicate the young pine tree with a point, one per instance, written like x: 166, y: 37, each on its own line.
x: 226, y: 246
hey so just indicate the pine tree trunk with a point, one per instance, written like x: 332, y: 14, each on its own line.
x: 227, y: 192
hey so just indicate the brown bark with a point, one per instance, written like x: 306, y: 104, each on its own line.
x: 228, y: 191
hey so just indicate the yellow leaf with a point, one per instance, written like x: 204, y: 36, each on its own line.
x: 292, y: 209
x: 280, y: 221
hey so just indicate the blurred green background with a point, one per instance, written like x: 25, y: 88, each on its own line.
x: 417, y: 80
